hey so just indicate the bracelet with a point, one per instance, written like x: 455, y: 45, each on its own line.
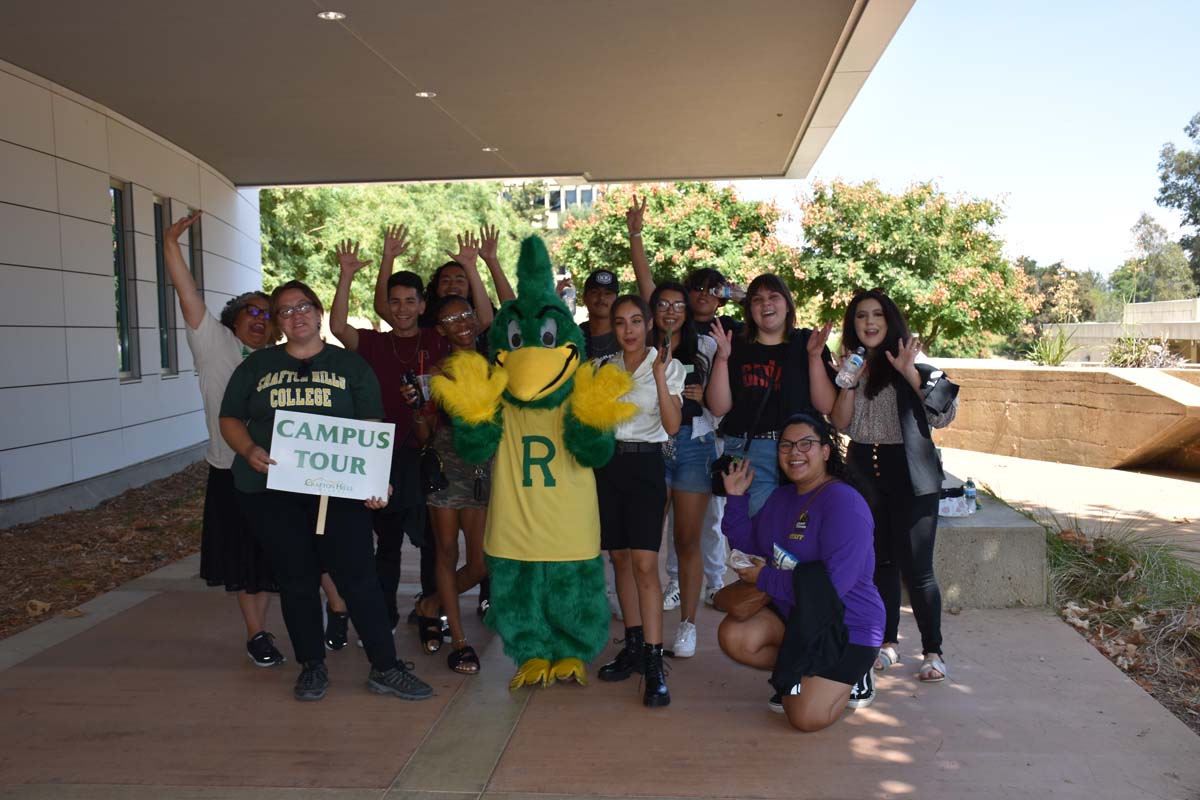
x: 635, y: 234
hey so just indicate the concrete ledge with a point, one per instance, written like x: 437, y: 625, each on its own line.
x: 995, y: 558
x: 94, y: 491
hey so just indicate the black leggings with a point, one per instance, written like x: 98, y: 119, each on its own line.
x: 905, y: 531
x: 285, y: 525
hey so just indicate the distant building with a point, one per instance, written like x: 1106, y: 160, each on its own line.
x: 1178, y: 321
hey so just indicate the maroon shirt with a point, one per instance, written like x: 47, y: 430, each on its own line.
x: 390, y: 357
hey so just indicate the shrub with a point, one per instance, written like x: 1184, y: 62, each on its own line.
x: 1052, y: 348
x: 1134, y: 351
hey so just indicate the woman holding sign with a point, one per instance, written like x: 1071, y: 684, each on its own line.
x: 306, y: 375
x: 461, y: 505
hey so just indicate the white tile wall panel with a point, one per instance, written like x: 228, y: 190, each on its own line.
x: 31, y: 356
x: 27, y: 177
x: 92, y: 353
x: 95, y: 406
x: 31, y: 296
x: 179, y: 393
x: 147, y: 300
x: 80, y: 134
x: 222, y: 274
x: 222, y: 239
x: 97, y: 454
x: 163, y: 436
x: 27, y: 119
x: 139, y: 399
x: 135, y: 157
x: 141, y: 258
x: 181, y: 179
x: 34, y: 469
x: 34, y: 415
x: 30, y: 237
x: 83, y: 192
x: 86, y: 246
x: 251, y: 256
x: 143, y: 210
x: 90, y: 300
x: 151, y: 358
x: 247, y: 221
x: 218, y: 197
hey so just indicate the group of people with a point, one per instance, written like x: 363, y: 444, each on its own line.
x: 745, y: 409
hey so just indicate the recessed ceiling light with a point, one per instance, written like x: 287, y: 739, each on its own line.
x: 491, y: 149
x: 426, y: 95
x: 331, y: 16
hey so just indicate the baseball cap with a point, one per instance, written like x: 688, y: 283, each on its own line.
x: 602, y: 279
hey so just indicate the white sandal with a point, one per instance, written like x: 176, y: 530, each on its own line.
x: 932, y: 664
x: 887, y: 657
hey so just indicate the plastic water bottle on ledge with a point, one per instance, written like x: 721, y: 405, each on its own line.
x: 851, y: 368
x: 971, y: 495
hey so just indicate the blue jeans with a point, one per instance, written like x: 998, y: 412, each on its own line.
x: 687, y: 469
x: 764, y: 459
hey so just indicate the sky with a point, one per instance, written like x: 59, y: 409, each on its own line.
x: 1056, y: 108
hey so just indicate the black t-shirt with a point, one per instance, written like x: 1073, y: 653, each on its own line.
x: 784, y: 368
x: 334, y: 382
x: 706, y: 328
x: 599, y: 346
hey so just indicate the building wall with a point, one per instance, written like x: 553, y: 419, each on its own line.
x: 68, y: 414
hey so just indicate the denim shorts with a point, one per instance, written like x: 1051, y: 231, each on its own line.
x: 764, y: 459
x: 687, y: 469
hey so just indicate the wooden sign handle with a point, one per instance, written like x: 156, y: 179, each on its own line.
x: 322, y: 509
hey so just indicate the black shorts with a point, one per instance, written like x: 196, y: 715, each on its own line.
x: 855, y: 661
x: 632, y: 490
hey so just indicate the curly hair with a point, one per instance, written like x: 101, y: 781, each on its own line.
x: 234, y: 307
x: 836, y: 465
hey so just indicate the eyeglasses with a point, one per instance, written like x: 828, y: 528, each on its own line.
x: 255, y: 311
x: 801, y: 445
x: 454, y: 319
x: 300, y: 308
x: 671, y: 305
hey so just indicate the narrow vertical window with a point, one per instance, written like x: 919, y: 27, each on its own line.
x: 127, y: 361
x: 166, y: 303
x: 196, y: 252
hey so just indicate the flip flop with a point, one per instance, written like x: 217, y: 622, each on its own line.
x: 430, y: 631
x: 932, y: 664
x: 887, y: 657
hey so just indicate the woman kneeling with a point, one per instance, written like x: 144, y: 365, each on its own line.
x: 813, y: 517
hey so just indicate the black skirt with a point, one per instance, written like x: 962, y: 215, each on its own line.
x: 230, y: 556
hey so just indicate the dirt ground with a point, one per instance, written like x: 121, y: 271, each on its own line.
x: 53, y: 565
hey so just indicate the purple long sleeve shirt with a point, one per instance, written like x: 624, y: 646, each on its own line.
x: 839, y: 533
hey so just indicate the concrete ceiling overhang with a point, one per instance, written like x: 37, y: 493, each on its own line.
x: 269, y: 94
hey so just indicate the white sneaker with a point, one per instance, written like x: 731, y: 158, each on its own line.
x: 671, y: 596
x: 709, y: 593
x: 685, y: 640
x: 615, y: 605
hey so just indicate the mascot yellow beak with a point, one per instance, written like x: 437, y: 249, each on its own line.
x: 535, y: 372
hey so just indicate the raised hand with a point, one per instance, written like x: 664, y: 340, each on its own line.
x: 173, y: 233
x: 347, y: 257
x: 817, y: 340
x: 738, y: 477
x: 395, y: 241
x: 489, y: 242
x: 905, y: 361
x: 635, y: 216
x: 723, y: 338
x: 468, y: 250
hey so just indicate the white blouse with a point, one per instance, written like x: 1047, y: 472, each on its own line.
x: 646, y: 425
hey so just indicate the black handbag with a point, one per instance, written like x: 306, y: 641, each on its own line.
x: 720, y: 468
x: 433, y: 473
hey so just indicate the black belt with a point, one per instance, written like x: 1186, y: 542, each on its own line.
x: 639, y: 447
x: 772, y: 435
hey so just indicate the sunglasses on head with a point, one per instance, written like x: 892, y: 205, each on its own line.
x: 260, y: 313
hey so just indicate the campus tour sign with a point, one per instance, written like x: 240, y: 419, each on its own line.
x: 331, y: 457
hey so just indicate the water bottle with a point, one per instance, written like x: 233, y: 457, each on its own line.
x: 971, y: 495
x: 728, y: 292
x: 851, y: 367
x: 568, y: 295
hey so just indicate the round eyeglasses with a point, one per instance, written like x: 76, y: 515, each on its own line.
x: 300, y: 308
x: 800, y: 445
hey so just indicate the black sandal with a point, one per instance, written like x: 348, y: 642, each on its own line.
x: 430, y: 631
x: 464, y: 660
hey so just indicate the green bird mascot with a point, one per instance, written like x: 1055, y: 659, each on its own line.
x: 548, y: 418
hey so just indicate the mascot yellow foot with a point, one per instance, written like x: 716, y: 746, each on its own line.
x: 535, y: 670
x: 569, y: 669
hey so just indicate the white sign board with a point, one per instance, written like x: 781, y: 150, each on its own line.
x: 330, y: 455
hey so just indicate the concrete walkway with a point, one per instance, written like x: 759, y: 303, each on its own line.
x: 150, y: 695
x: 1095, y: 501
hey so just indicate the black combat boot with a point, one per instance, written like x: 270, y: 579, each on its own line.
x: 656, y: 694
x: 629, y: 660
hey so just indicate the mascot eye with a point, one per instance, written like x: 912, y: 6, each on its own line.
x: 514, y: 334
x: 549, y: 333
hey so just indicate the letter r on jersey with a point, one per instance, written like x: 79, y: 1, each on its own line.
x: 542, y: 460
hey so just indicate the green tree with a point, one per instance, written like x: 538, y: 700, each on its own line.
x: 688, y: 225
x: 300, y: 228
x: 1179, y: 174
x: 1158, y: 270
x: 939, y: 258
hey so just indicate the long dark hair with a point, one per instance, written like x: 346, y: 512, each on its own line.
x: 770, y: 283
x: 881, y: 372
x: 836, y: 465
x: 687, y: 347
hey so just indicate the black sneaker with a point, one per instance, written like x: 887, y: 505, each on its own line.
x: 313, y: 681
x: 631, y: 659
x: 862, y: 694
x: 263, y: 652
x: 776, y: 701
x: 399, y: 681
x: 336, y: 628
